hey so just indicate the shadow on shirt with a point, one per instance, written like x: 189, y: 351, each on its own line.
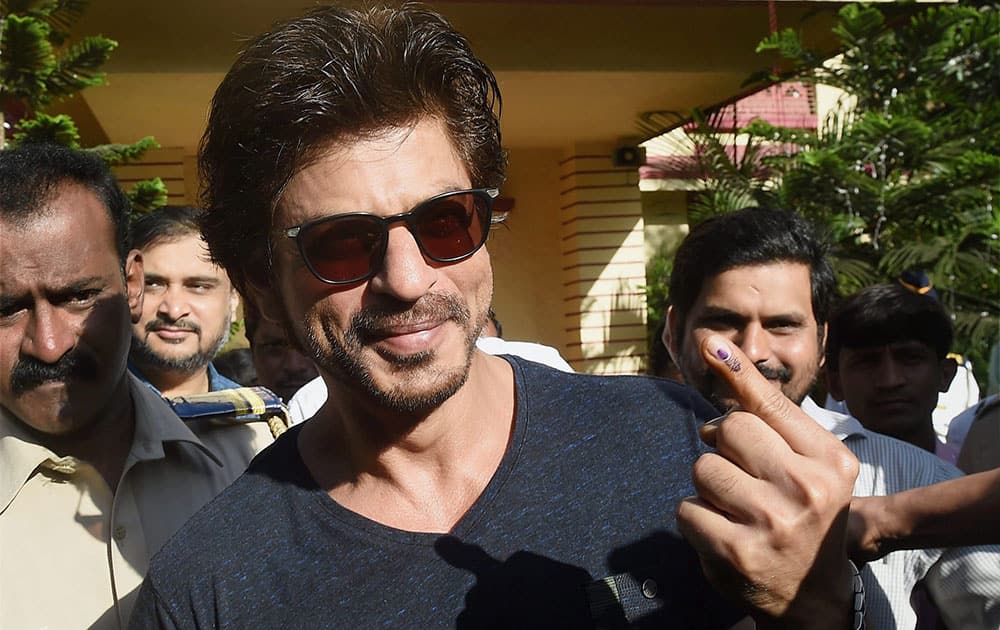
x: 655, y: 582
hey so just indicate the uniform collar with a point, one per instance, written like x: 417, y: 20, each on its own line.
x: 155, y: 425
x: 841, y: 425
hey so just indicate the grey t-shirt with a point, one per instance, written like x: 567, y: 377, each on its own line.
x: 576, y: 529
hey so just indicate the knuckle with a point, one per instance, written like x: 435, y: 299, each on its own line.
x: 703, y: 466
x: 816, y: 498
x: 846, y: 465
x: 712, y: 476
x: 771, y: 404
x: 818, y: 489
x: 745, y: 556
x: 781, y: 524
x: 727, y: 429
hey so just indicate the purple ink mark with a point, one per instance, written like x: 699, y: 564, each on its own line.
x: 734, y: 364
x: 722, y: 354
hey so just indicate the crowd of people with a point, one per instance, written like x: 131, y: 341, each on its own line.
x: 435, y: 474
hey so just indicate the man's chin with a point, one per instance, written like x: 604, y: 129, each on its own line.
x: 59, y: 420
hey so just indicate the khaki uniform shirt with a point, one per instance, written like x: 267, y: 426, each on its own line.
x: 72, y: 554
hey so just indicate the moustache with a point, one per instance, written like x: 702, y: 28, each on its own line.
x: 182, y: 324
x: 774, y: 374
x: 28, y: 373
x: 370, y: 323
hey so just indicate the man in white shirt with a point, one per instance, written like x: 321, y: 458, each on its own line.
x: 761, y: 278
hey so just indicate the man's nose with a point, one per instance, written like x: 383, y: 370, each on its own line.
x: 50, y: 334
x: 405, y: 273
x: 755, y: 342
x: 173, y: 304
x: 889, y: 373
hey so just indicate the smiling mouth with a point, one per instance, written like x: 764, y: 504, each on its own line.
x: 173, y: 336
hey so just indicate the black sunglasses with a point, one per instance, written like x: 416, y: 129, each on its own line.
x: 347, y: 248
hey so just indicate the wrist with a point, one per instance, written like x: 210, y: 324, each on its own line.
x: 837, y: 604
x: 892, y: 524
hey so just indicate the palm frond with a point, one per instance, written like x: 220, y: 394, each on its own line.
x: 45, y: 128
x: 27, y: 58
x: 79, y: 67
x: 115, y: 154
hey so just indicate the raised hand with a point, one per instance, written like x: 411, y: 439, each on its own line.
x: 770, y: 518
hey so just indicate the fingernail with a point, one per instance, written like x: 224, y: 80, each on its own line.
x: 717, y: 420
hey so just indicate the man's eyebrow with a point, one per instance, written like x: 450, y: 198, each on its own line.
x: 154, y: 276
x: 718, y: 311
x: 78, y: 285
x: 9, y: 299
x: 791, y: 316
x: 201, y: 280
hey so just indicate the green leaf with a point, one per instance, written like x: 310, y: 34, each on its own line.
x: 45, y: 128
x: 26, y: 60
x: 60, y: 14
x: 787, y: 42
x: 78, y: 67
x: 115, y: 154
x: 147, y: 195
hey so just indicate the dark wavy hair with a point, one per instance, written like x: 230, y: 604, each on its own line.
x: 752, y: 236
x: 31, y: 174
x: 333, y: 75
x: 887, y: 313
x: 165, y: 224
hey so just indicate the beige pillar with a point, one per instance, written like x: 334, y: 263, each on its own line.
x: 603, y: 266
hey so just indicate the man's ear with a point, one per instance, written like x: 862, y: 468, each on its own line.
x: 234, y: 303
x: 833, y: 386
x: 135, y: 284
x: 672, y: 335
x: 822, y: 347
x: 949, y: 366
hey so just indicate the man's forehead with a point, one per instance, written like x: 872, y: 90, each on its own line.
x: 188, y: 251
x: 760, y: 283
x: 86, y: 254
x: 308, y: 195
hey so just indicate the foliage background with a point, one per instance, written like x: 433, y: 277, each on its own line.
x: 40, y: 65
x: 903, y: 173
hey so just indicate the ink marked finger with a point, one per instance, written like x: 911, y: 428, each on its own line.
x: 759, y: 397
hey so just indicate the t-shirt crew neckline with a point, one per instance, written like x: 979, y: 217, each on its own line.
x: 359, y: 524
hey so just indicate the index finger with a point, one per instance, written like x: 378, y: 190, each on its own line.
x: 761, y: 398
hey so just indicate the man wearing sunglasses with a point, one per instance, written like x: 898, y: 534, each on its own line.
x: 351, y: 160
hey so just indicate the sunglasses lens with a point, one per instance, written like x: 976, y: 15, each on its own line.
x: 453, y: 227
x: 343, y: 249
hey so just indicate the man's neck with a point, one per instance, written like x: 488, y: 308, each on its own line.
x: 106, y: 443
x: 426, y: 478
x: 923, y: 436
x: 171, y: 383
